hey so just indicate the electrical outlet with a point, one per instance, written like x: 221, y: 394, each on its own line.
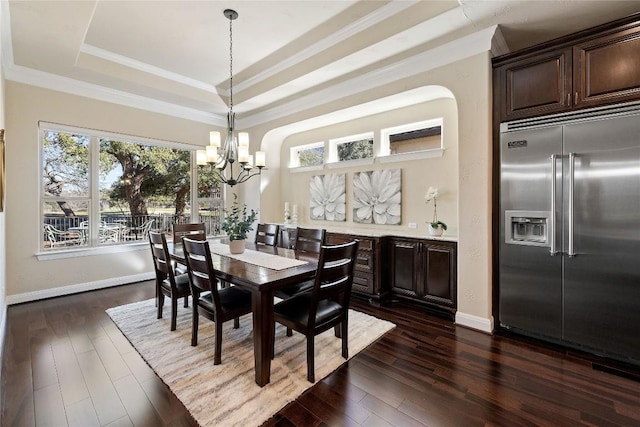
x: 412, y: 225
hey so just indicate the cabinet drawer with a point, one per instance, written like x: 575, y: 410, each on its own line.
x: 362, y: 283
x: 364, y: 262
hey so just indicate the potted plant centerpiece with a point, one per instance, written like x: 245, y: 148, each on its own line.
x: 436, y: 227
x: 237, y: 223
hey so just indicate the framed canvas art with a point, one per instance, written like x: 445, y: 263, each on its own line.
x: 377, y: 197
x: 327, y: 198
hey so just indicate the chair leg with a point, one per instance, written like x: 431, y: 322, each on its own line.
x: 160, y: 303
x: 337, y: 332
x: 194, y: 325
x: 273, y: 341
x: 217, y: 358
x: 289, y: 332
x: 236, y: 323
x: 345, y: 349
x: 174, y: 313
x: 186, y: 301
x: 311, y: 377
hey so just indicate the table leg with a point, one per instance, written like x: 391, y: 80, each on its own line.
x: 262, y: 306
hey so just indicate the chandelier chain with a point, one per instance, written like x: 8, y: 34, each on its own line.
x: 231, y: 64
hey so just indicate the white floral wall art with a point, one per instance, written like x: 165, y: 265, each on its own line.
x: 377, y: 197
x: 327, y: 197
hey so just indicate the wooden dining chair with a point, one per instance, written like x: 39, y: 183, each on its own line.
x: 218, y: 305
x: 267, y: 234
x: 307, y: 240
x: 326, y: 305
x: 167, y: 283
x: 195, y: 231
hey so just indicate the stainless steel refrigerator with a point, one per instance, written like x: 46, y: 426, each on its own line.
x: 569, y: 254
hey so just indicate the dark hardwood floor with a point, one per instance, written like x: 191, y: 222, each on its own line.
x: 65, y: 363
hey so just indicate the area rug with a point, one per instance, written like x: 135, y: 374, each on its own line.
x: 226, y: 394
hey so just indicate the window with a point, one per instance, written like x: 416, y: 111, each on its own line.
x: 413, y: 138
x: 416, y: 140
x: 102, y: 189
x: 352, y: 147
x: 307, y: 155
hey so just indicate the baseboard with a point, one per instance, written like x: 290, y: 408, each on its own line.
x: 81, y: 287
x: 475, y: 322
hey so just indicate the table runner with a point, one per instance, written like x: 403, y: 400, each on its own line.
x: 262, y: 259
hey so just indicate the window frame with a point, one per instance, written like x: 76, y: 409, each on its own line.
x: 385, y: 155
x: 93, y: 199
x: 335, y: 142
x: 293, y: 156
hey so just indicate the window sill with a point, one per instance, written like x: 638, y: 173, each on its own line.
x: 82, y: 252
x: 416, y: 155
x: 306, y: 168
x: 350, y: 163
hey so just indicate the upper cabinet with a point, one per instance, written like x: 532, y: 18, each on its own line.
x: 536, y: 85
x: 607, y: 69
x: 589, y: 69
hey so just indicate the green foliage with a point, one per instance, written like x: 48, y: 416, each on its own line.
x: 362, y: 149
x: 435, y: 224
x: 236, y: 222
x: 65, y: 164
x: 311, y: 157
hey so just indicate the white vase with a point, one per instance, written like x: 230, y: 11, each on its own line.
x: 435, y: 231
x: 236, y: 246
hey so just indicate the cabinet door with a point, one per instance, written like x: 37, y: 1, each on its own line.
x: 607, y: 69
x: 536, y: 86
x: 438, y: 280
x: 404, y: 267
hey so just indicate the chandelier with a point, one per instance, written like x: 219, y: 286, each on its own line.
x: 235, y: 149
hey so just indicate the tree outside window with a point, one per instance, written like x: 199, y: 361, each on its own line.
x: 139, y: 186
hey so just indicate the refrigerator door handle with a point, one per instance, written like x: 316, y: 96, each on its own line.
x: 572, y: 157
x: 552, y: 218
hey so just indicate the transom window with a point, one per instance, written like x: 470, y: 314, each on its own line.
x: 413, y: 137
x: 307, y: 155
x: 105, y: 189
x: 351, y: 147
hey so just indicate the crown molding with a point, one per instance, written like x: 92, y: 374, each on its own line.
x: 317, y: 48
x: 50, y: 81
x: 145, y: 68
x: 499, y: 45
x: 447, y: 53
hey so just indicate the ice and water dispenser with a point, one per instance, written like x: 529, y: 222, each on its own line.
x: 527, y: 227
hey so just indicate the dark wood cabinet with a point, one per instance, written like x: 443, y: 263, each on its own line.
x: 537, y: 85
x: 367, y: 276
x: 424, y: 271
x: 607, y: 69
x: 592, y: 68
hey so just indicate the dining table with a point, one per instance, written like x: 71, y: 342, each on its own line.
x: 262, y: 281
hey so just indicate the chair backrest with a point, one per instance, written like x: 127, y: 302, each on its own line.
x: 202, y: 275
x: 309, y: 239
x: 334, y: 278
x: 161, y: 257
x: 146, y: 227
x: 193, y: 231
x: 267, y: 234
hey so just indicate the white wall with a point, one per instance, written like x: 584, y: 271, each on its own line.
x: 3, y: 245
x: 27, y: 277
x: 417, y: 175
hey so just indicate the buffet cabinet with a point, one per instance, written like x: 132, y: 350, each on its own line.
x: 367, y: 281
x: 423, y: 271
x: 588, y: 69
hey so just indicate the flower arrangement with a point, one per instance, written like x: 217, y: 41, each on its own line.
x: 237, y: 223
x: 432, y: 195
